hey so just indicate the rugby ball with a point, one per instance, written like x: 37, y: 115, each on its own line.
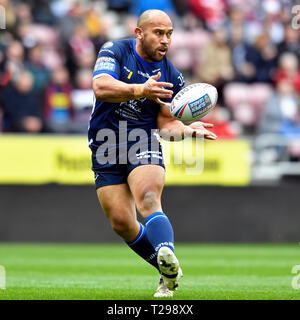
x: 194, y: 102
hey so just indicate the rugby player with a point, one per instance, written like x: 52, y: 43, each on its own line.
x: 133, y: 81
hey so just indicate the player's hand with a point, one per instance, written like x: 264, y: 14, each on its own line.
x: 154, y: 90
x: 199, y: 129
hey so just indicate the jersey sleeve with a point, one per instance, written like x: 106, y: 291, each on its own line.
x: 108, y: 61
x: 177, y: 79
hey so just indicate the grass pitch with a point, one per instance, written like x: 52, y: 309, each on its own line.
x: 112, y: 271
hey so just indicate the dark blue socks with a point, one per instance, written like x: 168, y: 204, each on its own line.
x: 143, y: 247
x: 159, y: 231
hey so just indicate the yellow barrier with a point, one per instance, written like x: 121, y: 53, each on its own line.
x: 222, y: 162
x: 44, y: 159
x: 67, y: 160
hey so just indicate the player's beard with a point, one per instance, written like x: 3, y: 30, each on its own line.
x: 150, y: 52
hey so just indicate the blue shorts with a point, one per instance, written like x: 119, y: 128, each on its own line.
x: 116, y: 173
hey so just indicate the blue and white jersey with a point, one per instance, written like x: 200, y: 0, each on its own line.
x: 121, y: 60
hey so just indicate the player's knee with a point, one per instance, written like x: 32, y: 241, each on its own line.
x: 149, y: 202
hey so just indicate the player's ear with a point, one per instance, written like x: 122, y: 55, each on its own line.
x: 139, y: 33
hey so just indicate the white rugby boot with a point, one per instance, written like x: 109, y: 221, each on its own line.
x: 169, y: 268
x: 162, y: 291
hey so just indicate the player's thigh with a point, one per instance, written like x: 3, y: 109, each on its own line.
x: 117, y: 203
x: 146, y: 184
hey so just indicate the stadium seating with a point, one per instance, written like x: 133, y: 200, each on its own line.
x: 246, y: 101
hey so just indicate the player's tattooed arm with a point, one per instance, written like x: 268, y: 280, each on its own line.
x: 173, y: 130
x: 108, y: 89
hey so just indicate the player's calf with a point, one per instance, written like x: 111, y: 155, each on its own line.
x: 125, y: 228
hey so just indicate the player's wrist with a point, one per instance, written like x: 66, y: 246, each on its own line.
x: 138, y: 91
x: 186, y: 131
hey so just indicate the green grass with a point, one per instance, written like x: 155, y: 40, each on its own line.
x: 108, y: 271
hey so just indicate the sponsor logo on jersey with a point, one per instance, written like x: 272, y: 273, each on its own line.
x: 156, y: 70
x: 127, y: 69
x: 132, y: 104
x: 146, y: 75
x: 103, y: 59
x: 105, y: 64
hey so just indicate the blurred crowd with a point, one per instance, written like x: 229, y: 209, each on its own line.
x: 248, y: 49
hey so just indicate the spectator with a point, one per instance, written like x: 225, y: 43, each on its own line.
x: 21, y: 107
x: 4, y: 75
x: 95, y: 25
x: 272, y: 24
x: 120, y: 6
x: 263, y: 59
x: 288, y: 70
x: 281, y: 113
x: 244, y: 70
x: 58, y: 112
x: 23, y: 13
x: 14, y: 59
x: 71, y: 20
x: 216, y: 67
x: 81, y: 50
x: 25, y: 32
x: 291, y: 42
x: 236, y: 20
x: 267, y: 63
x: 182, y: 7
x: 42, y: 12
x: 80, y: 41
x: 86, y: 61
x: 82, y: 99
x: 36, y: 66
x: 247, y: 15
x: 10, y: 16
